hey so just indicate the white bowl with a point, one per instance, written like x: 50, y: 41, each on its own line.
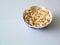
x: 39, y: 26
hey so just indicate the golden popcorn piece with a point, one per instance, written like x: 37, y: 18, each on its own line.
x: 48, y: 17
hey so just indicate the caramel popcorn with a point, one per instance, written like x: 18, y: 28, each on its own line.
x: 36, y: 16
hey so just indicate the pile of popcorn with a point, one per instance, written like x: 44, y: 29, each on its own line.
x: 36, y: 16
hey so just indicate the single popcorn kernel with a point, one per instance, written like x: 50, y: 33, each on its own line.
x: 48, y: 17
x: 36, y: 16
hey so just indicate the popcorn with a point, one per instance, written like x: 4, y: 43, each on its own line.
x: 37, y: 17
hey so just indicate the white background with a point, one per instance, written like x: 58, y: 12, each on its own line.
x: 13, y: 30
